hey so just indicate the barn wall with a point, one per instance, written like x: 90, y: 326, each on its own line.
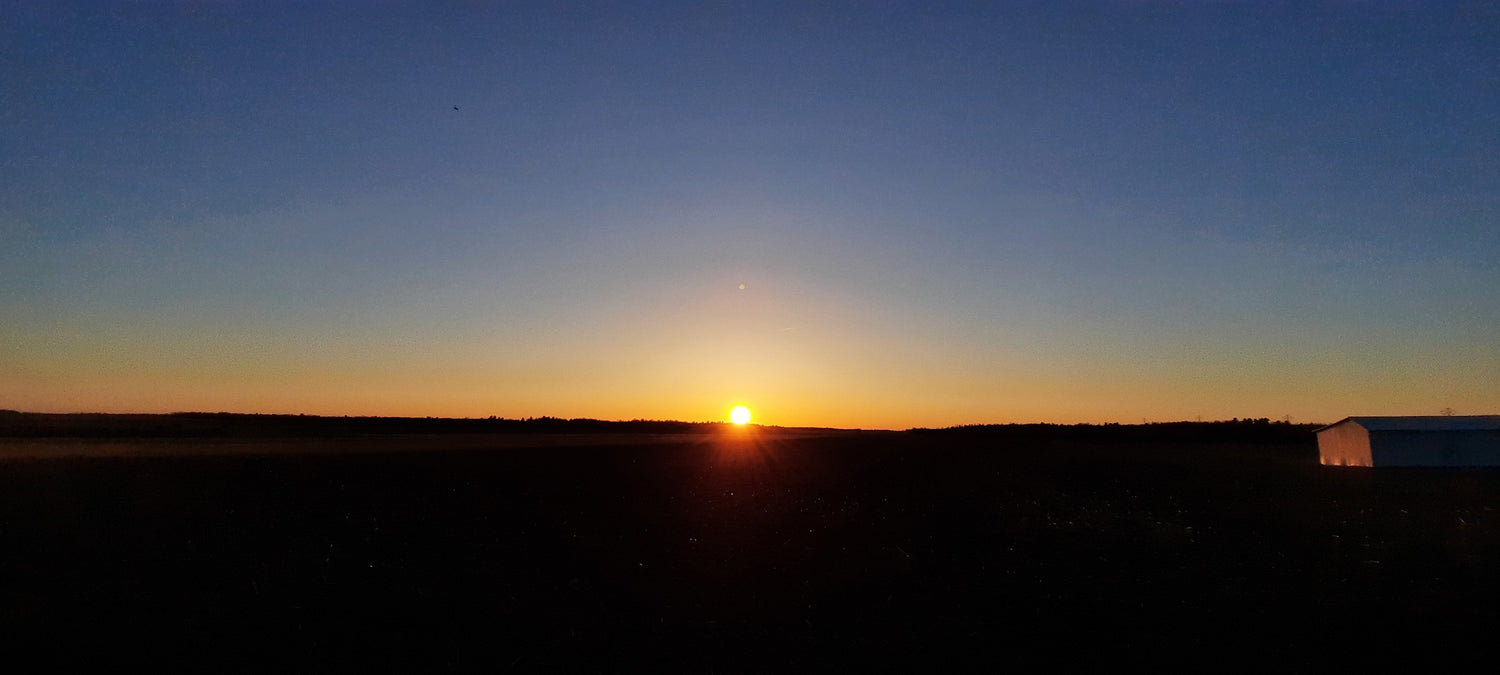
x: 1435, y: 448
x: 1346, y: 444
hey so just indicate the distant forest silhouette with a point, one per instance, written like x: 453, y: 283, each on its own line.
x: 1258, y: 430
x: 247, y: 425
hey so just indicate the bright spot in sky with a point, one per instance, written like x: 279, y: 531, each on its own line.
x: 742, y: 287
x: 740, y: 415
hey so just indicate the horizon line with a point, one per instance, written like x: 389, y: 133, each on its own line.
x: 499, y: 418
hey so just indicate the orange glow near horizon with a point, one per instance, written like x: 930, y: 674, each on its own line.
x: 818, y: 386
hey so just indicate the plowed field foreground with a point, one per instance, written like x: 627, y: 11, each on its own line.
x: 735, y: 552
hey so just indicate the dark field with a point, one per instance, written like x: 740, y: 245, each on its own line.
x: 717, y: 552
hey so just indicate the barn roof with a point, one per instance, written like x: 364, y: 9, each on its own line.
x: 1425, y: 423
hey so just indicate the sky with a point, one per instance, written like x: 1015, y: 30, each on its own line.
x: 940, y: 213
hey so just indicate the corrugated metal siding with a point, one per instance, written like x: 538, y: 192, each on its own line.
x: 1435, y: 448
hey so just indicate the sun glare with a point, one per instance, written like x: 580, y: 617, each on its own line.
x: 740, y: 415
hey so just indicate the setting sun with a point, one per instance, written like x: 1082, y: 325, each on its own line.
x: 740, y: 415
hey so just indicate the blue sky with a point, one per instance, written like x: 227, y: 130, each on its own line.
x: 941, y: 213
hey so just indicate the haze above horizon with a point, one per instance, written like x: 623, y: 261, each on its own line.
x: 853, y: 215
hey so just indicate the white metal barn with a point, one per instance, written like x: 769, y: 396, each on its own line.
x: 1470, y: 440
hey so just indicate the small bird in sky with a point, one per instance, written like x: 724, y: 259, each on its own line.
x: 455, y: 107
